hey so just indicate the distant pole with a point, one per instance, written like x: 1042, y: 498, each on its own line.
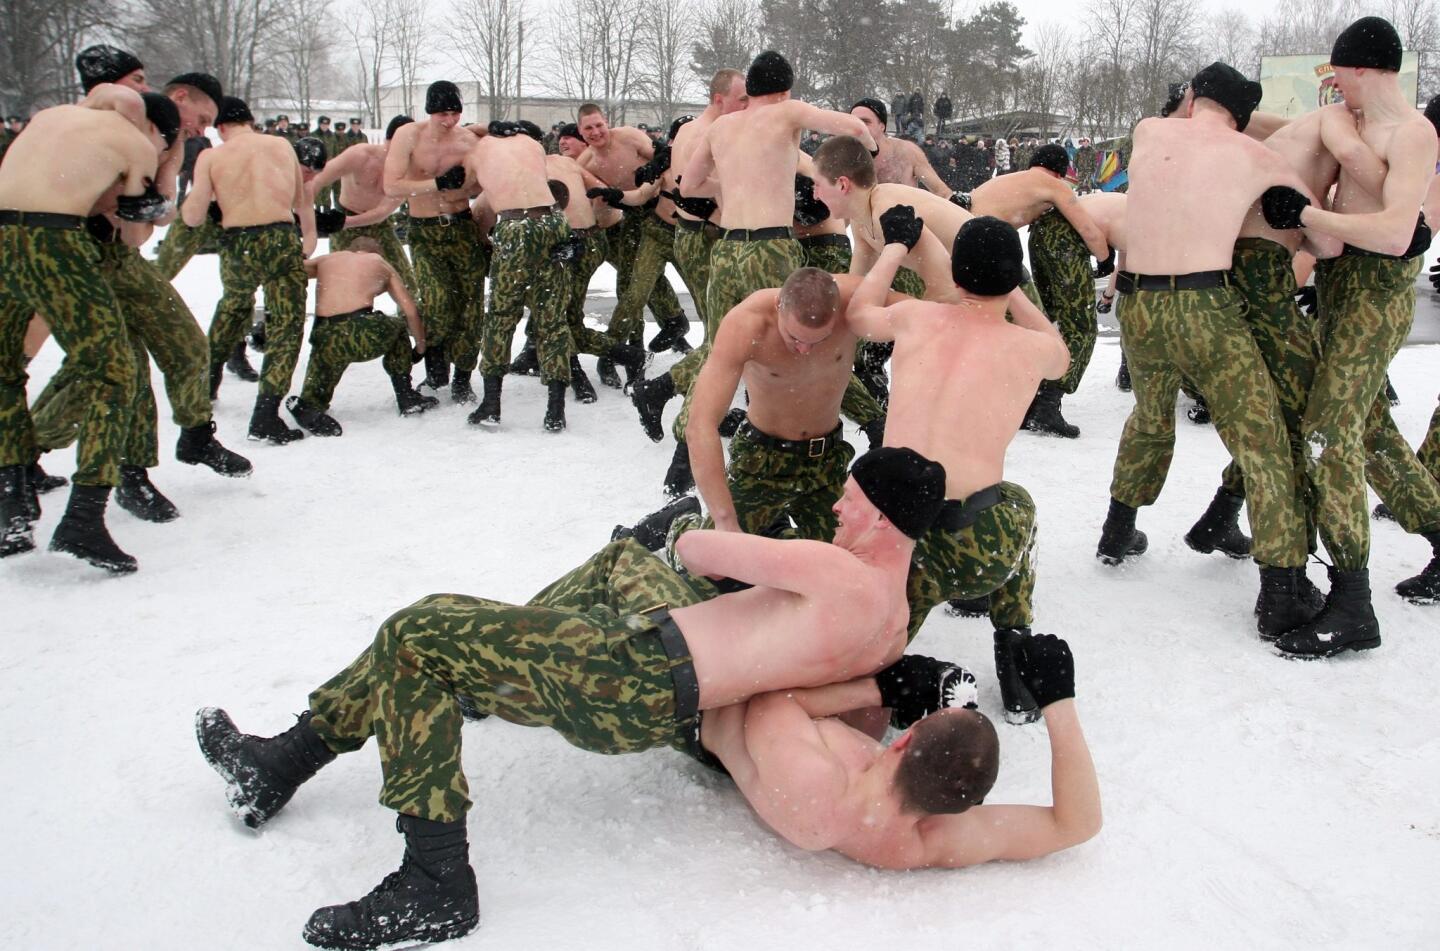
x: 519, y: 66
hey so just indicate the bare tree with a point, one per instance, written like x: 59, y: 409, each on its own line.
x: 231, y: 39
x: 305, y: 42
x: 728, y: 37
x: 1305, y: 26
x: 1110, y: 24
x: 1232, y: 37
x: 369, y: 29
x: 487, y: 35
x: 1164, y: 37
x: 1044, y: 73
x: 38, y: 43
x: 665, y: 43
x: 594, y: 50
x: 408, y: 45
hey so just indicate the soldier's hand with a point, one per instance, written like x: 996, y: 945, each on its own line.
x: 613, y: 197
x: 1103, y: 305
x: 1106, y: 267
x: 1308, y: 300
x: 1046, y: 667
x: 1282, y: 206
x: 1435, y: 276
x: 451, y: 179
x: 900, y: 226
x: 329, y: 221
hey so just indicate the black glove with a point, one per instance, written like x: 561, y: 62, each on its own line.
x: 1106, y: 267
x: 875, y: 432
x: 611, y: 196
x: 214, y: 213
x: 654, y: 168
x: 502, y: 129
x: 451, y: 179
x: 1046, y: 668
x: 567, y: 251
x: 701, y: 208
x: 875, y: 152
x: 809, y: 210
x: 101, y: 229
x: 1435, y: 277
x: 960, y: 198
x: 329, y: 221
x: 900, y: 226
x: 145, y: 207
x: 1103, y: 305
x: 1282, y: 206
x: 916, y: 686
x: 1308, y: 300
x: 415, y: 356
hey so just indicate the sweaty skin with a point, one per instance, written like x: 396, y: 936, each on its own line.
x: 1021, y: 197
x: 360, y: 170
x: 257, y: 181
x: 510, y: 170
x: 900, y: 162
x: 422, y: 150
x: 347, y: 281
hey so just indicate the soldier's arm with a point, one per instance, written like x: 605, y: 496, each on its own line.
x: 109, y: 97
x: 334, y: 170
x: 925, y: 173
x: 710, y: 399
x: 794, y: 564
x: 867, y: 314
x: 1055, y: 355
x: 696, y: 182
x: 640, y: 195
x: 1389, y: 230
x: 1342, y: 140
x: 305, y: 209
x: 167, y: 178
x: 1074, y: 211
x: 827, y: 121
x: 197, y: 201
x: 400, y: 294
x: 379, y: 213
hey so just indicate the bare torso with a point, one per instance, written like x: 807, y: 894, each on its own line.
x: 942, y: 220
x: 364, y: 188
x: 898, y: 162
x: 755, y: 154
x: 688, y: 136
x: 1350, y: 198
x: 347, y: 281
x: 1299, y: 143
x: 254, y: 178
x: 1108, y: 210
x: 579, y: 210
x: 68, y: 157
x: 434, y: 151
x: 1019, y: 198
x: 511, y: 172
x: 626, y: 150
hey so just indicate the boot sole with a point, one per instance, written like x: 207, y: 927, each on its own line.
x: 275, y: 440
x: 243, y: 811
x: 429, y: 935
x: 114, y: 567
x: 219, y: 470
x: 1369, y: 643
x: 1211, y: 549
x: 145, y: 515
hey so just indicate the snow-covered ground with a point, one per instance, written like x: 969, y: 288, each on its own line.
x: 1250, y: 801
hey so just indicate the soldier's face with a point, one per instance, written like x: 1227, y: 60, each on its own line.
x: 871, y: 120
x: 571, y: 147
x: 855, y: 514
x: 197, y: 110
x: 134, y: 80
x: 595, y: 130
x: 735, y: 99
x: 445, y: 120
x: 835, y: 195
x: 800, y: 339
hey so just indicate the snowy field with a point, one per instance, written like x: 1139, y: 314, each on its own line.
x: 1250, y: 801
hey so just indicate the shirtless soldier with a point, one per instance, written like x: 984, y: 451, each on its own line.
x: 424, y: 166
x: 52, y: 268
x: 818, y: 613
x: 256, y: 181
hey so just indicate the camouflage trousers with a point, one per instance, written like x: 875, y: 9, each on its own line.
x: 580, y: 659
x: 908, y: 282
x: 691, y: 254
x: 1203, y: 335
x: 337, y: 342
x: 768, y: 484
x: 575, y: 278
x: 620, y: 251
x: 158, y: 324
x: 1429, y: 451
x: 520, y: 267
x: 1367, y: 305
x: 57, y: 274
x: 270, y: 257
x: 1264, y: 275
x: 656, y: 248
x: 1060, y: 261
x: 451, y: 262
x: 181, y: 243
x: 994, y: 555
x: 823, y: 251
x: 390, y: 247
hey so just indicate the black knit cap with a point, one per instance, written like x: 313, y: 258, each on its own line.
x: 986, y: 259
x: 769, y: 73
x: 1226, y: 86
x: 1052, y: 157
x: 531, y: 129
x: 443, y: 96
x: 396, y: 123
x: 204, y: 82
x: 875, y: 106
x: 675, y: 127
x: 907, y: 488
x: 162, y: 114
x: 233, y: 110
x: 569, y: 131
x: 103, y: 63
x: 1174, y: 95
x: 1369, y: 42
x: 1432, y: 112
x: 311, y: 153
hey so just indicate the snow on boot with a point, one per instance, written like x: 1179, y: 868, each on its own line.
x: 650, y: 397
x: 633, y: 359
x: 678, y: 478
x: 1282, y: 606
x: 265, y: 423
x: 1219, y: 528
x: 198, y: 446
x: 1199, y: 414
x: 460, y: 389
x: 138, y: 496
x: 316, y: 422
x: 437, y: 368
x: 1122, y: 379
x: 580, y: 384
x: 239, y: 364
x: 1044, y: 416
x: 488, y: 414
x: 431, y: 897
x: 1020, y: 706
x: 261, y: 773
x: 82, y: 531
x: 1120, y: 538
x: 1424, y: 588
x: 652, y: 530
x: 1382, y: 513
x: 606, y: 369
x: 409, y: 400
x: 1347, y: 622
x: 968, y: 607
x: 555, y: 407
x: 528, y: 362
x: 41, y: 482
x: 16, y: 535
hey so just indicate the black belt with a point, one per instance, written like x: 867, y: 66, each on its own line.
x: 695, y: 224
x: 814, y: 448
x: 583, y: 232
x: 42, y: 219
x: 257, y: 229
x: 826, y: 241
x: 1128, y: 282
x: 687, y: 685
x: 321, y: 320
x: 956, y: 515
x: 757, y: 234
x: 516, y: 214
x: 345, y: 211
x: 444, y: 221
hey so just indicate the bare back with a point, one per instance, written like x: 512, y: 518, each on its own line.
x: 363, y: 187
x: 1299, y: 143
x: 1108, y: 211
x: 683, y: 147
x: 347, y: 281
x: 579, y: 210
x: 1018, y: 198
x: 254, y: 178
x: 68, y: 158
x: 511, y: 172
x: 755, y: 154
x: 930, y: 258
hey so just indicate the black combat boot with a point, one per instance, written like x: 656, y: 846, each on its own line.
x: 1391, y: 396
x: 432, y: 897
x: 672, y: 335
x: 1382, y: 513
x: 314, y: 421
x: 555, y: 407
x: 968, y: 607
x: 28, y: 495
x: 488, y: 414
x: 605, y: 367
x: 82, y: 531
x: 460, y: 389
x: 1122, y: 379
x: 580, y: 384
x: 528, y: 362
x: 678, y: 478
x: 1044, y: 416
x: 41, y: 482
x: 409, y: 400
x: 1219, y: 528
x: 633, y: 359
x: 217, y: 373
x: 198, y: 446
x: 650, y: 397
x: 261, y: 773
x: 1119, y: 538
x: 652, y: 530
x: 257, y: 332
x: 1199, y: 414
x: 16, y: 535
x: 1020, y: 706
x: 1424, y: 588
x: 1283, y: 604
x: 1347, y: 622
x: 239, y: 364
x: 733, y: 420
x: 437, y: 367
x: 265, y: 422
x: 138, y: 496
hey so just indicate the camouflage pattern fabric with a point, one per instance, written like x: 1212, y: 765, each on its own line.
x: 908, y: 282
x: 182, y: 242
x: 691, y: 254
x: 1429, y: 451
x: 337, y: 342
x: 451, y: 262
x: 1060, y: 261
x: 994, y: 555
x: 1086, y: 161
x: 655, y: 249
x: 623, y: 245
x: 56, y: 273
x: 830, y: 258
x: 1203, y: 335
x: 1367, y: 305
x: 575, y: 282
x: 390, y: 248
x: 519, y: 265
x: 271, y: 258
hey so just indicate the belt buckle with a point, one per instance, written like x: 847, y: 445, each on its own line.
x: 817, y: 451
x: 445, y: 220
